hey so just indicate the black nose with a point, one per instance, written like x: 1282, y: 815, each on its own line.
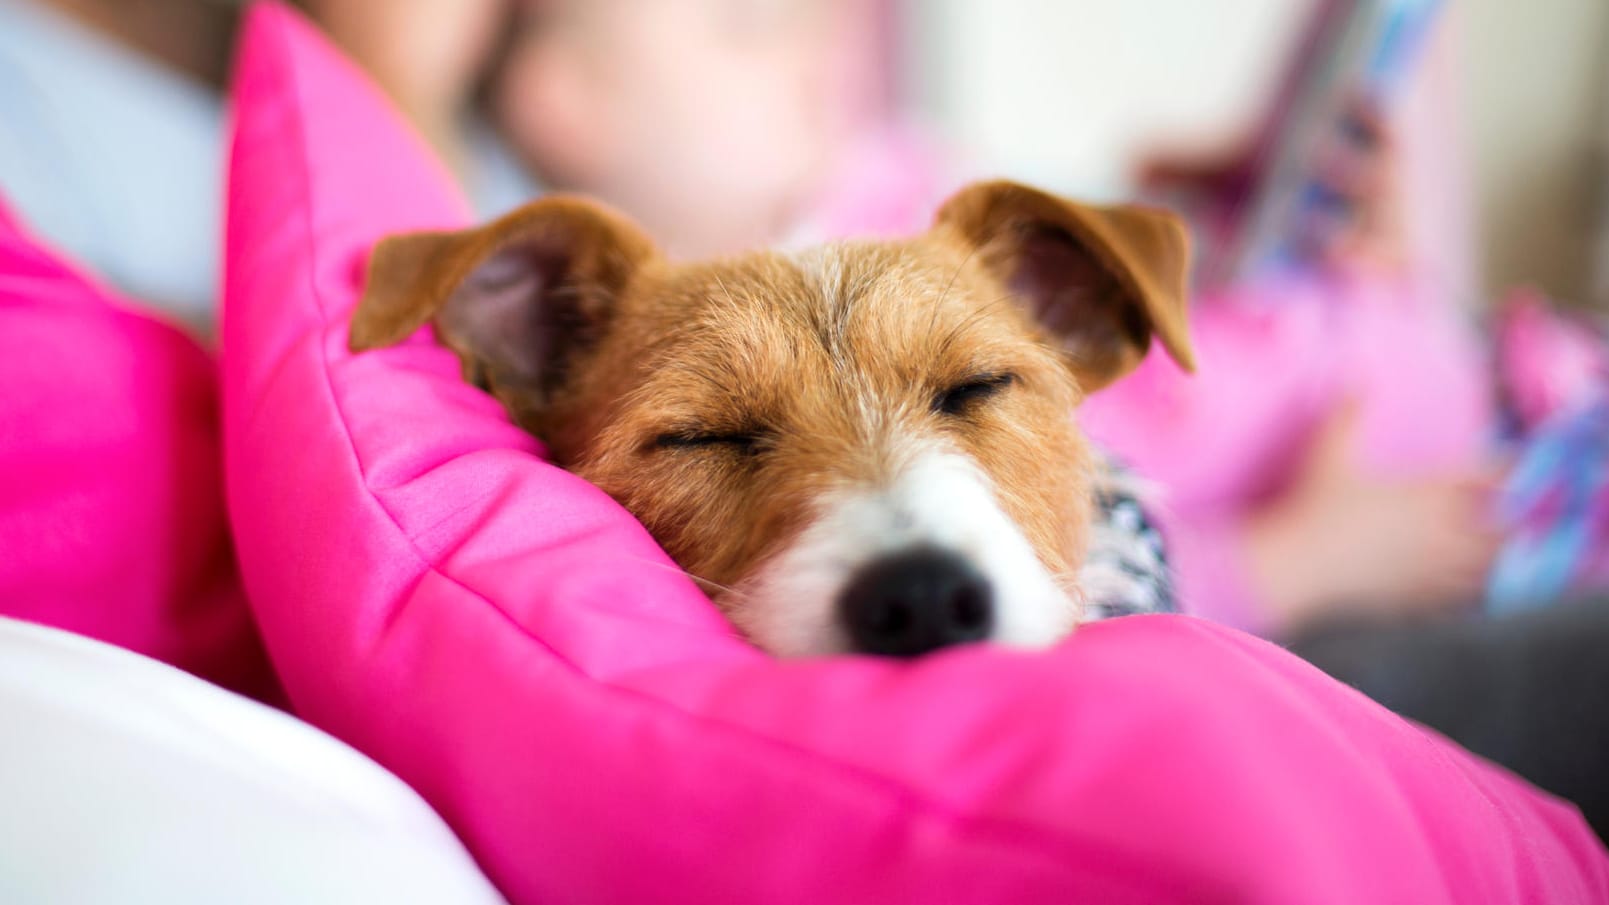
x: 916, y: 601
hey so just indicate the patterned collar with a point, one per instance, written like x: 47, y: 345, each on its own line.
x: 1126, y: 570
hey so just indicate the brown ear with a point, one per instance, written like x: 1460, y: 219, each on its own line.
x: 516, y: 299
x: 1103, y: 280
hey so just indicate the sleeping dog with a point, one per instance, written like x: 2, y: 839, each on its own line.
x: 867, y: 446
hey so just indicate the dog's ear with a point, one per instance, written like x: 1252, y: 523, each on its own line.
x: 1103, y: 280
x: 516, y: 299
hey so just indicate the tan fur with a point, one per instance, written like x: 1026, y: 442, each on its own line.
x: 831, y: 359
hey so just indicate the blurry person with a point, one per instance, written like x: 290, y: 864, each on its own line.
x: 712, y: 122
x: 1334, y: 452
x: 718, y: 125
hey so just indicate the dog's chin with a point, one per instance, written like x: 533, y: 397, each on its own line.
x: 941, y: 507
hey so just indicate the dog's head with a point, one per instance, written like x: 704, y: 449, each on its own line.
x: 868, y: 446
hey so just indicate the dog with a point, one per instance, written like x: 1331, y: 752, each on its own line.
x: 862, y: 447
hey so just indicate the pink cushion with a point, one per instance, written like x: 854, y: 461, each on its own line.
x: 508, y: 640
x: 111, y: 494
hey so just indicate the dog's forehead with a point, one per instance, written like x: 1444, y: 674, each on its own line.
x: 888, y: 306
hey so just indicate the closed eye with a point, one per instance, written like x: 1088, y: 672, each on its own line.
x: 960, y: 398
x: 746, y: 443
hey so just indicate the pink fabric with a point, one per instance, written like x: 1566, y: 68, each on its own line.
x: 1273, y: 362
x: 111, y: 495
x: 514, y: 645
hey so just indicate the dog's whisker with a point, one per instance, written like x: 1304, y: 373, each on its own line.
x: 973, y: 318
x: 698, y: 579
x: 1068, y: 580
x: 1072, y: 585
x: 709, y: 583
x: 938, y: 303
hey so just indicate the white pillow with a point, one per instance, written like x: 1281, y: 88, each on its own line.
x: 126, y: 780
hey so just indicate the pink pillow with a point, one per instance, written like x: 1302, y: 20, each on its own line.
x: 512, y: 643
x: 111, y: 494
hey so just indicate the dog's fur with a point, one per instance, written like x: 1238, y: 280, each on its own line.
x: 778, y: 421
